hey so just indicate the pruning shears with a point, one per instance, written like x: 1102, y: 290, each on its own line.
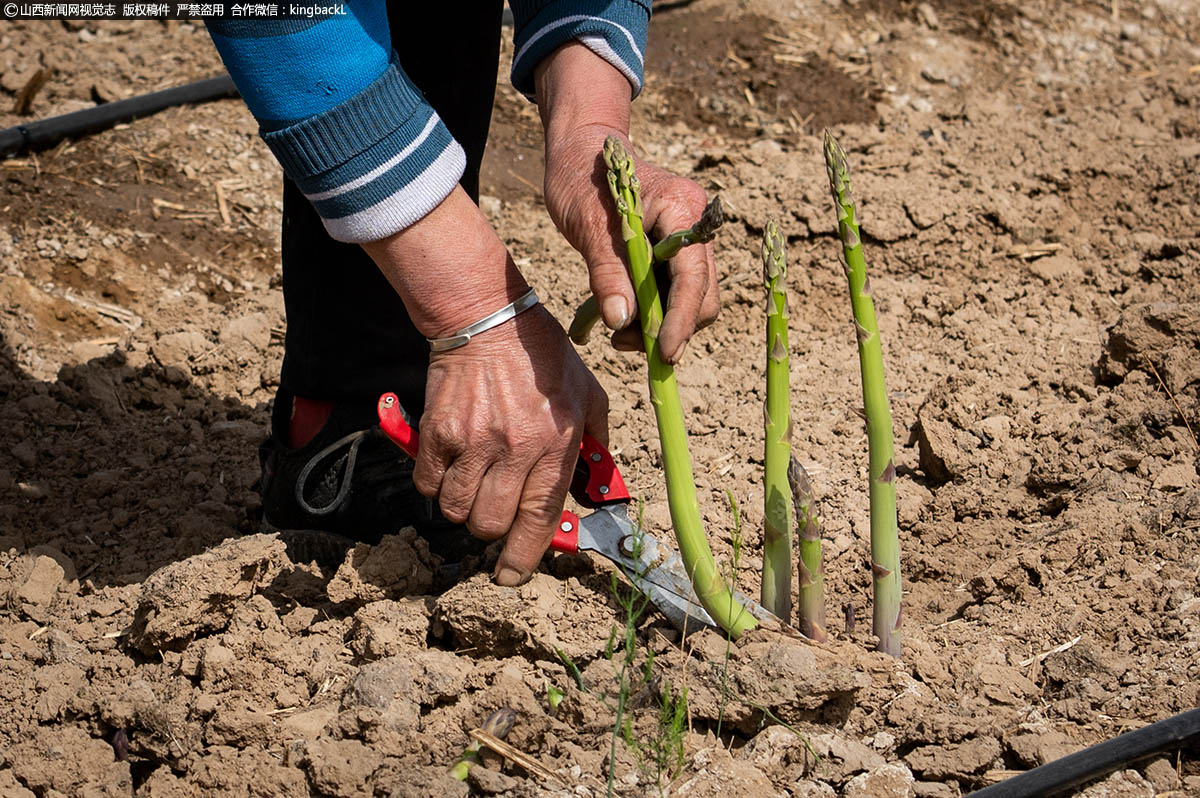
x: 653, y: 569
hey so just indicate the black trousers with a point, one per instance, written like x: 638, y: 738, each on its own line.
x: 349, y: 337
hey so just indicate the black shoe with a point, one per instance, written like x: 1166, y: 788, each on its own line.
x: 349, y: 484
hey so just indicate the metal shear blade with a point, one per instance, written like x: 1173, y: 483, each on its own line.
x: 653, y: 569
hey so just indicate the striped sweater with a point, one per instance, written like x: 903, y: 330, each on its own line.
x: 355, y: 134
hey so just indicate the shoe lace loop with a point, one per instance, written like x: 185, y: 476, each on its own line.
x: 354, y: 440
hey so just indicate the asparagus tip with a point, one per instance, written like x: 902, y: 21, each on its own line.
x: 500, y: 722
x: 773, y: 256
x: 798, y: 478
x: 705, y: 229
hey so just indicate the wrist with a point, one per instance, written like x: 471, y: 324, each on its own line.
x: 450, y: 268
x: 577, y: 88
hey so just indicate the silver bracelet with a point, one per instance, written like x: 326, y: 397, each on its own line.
x: 463, y: 336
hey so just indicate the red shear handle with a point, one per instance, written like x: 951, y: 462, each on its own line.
x: 566, y: 537
x: 395, y: 425
x: 600, y: 483
x: 597, y: 480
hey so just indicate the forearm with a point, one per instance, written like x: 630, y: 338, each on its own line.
x: 450, y: 269
x: 344, y: 121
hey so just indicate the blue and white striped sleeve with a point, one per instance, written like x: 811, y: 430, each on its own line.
x: 615, y: 30
x: 342, y: 118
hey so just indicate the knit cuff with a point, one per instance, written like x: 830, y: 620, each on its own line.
x: 615, y: 30
x: 373, y: 165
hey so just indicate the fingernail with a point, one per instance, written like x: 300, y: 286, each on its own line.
x: 615, y: 311
x: 675, y: 356
x: 509, y: 577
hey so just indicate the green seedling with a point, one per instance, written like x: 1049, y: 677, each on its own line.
x: 554, y: 697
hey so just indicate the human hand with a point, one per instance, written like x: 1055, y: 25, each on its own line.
x: 504, y: 414
x: 500, y: 435
x: 584, y: 100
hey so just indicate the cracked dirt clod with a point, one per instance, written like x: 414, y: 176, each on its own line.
x: 184, y: 600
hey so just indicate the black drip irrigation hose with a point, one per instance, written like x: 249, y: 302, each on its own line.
x: 1100, y: 759
x: 48, y: 132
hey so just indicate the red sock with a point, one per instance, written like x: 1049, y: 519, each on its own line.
x: 308, y: 416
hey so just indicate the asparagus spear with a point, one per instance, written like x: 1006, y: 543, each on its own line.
x: 498, y: 724
x: 812, y: 572
x: 777, y: 511
x: 701, y: 232
x: 885, y: 542
x: 697, y: 558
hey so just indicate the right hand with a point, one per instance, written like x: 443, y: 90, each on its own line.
x: 500, y: 436
x: 505, y: 413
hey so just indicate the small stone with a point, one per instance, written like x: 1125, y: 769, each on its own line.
x: 937, y: 448
x: 892, y: 780
x: 1036, y: 749
x: 105, y: 91
x: 845, y: 756
x: 927, y: 16
x: 1161, y: 773
x: 309, y: 724
x: 491, y: 782
x: 935, y: 73
x: 1123, y: 784
x: 934, y: 789
x: 1055, y: 268
x: 42, y: 582
x: 812, y: 789
x: 14, y: 80
x: 31, y: 490
x: 491, y: 206
x: 61, y: 647
x: 959, y: 760
x: 1122, y: 459
x: 1180, y: 476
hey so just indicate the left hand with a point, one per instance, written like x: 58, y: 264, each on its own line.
x: 583, y: 101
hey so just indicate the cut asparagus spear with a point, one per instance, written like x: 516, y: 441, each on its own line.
x: 701, y: 232
x: 697, y: 557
